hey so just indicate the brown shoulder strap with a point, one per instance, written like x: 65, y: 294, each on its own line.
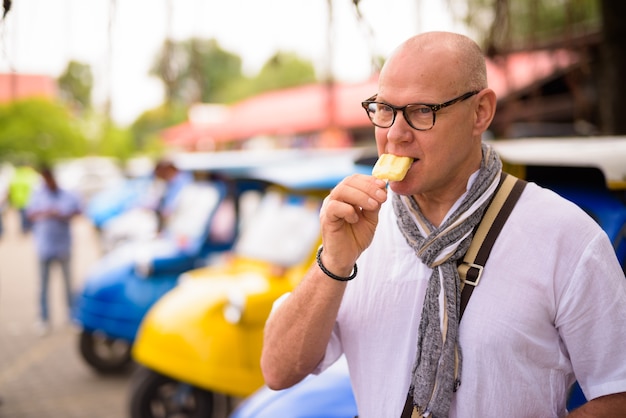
x: 471, y: 269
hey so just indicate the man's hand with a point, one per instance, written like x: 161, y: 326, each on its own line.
x: 348, y: 218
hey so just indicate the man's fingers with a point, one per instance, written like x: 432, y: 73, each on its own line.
x: 340, y: 211
x: 362, y: 191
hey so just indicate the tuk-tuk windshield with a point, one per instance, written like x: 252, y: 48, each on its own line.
x: 282, y: 231
x: 195, y: 206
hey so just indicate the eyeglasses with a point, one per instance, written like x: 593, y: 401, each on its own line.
x: 420, y: 116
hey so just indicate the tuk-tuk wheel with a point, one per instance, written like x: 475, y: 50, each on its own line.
x: 105, y: 354
x: 154, y: 395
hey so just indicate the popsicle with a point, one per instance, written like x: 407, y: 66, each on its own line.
x: 391, y: 167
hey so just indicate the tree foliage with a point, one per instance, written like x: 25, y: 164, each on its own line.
x: 145, y: 129
x: 76, y: 85
x: 39, y: 130
x: 116, y: 142
x: 195, y: 70
x: 505, y: 25
x: 200, y: 71
x: 282, y: 70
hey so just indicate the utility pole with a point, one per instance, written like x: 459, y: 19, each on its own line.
x: 330, y: 82
x: 109, y: 63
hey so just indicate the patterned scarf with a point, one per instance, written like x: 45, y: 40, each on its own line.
x: 436, y: 372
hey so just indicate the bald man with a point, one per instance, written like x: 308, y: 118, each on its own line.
x: 551, y: 303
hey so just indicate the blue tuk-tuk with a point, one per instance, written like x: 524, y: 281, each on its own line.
x: 113, y: 201
x: 127, y: 280
x: 590, y: 172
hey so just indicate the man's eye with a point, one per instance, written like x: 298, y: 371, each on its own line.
x: 384, y: 109
x: 419, y: 110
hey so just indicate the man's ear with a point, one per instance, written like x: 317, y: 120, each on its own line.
x: 485, y: 110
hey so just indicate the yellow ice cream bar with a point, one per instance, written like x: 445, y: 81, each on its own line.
x: 391, y: 167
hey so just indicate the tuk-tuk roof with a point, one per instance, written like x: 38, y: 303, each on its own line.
x: 290, y: 168
x: 607, y: 153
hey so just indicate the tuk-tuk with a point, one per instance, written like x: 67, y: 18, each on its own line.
x: 114, y: 201
x: 590, y: 172
x: 327, y: 395
x: 127, y: 280
x: 198, y: 348
x: 587, y: 171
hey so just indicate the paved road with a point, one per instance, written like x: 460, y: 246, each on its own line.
x: 44, y: 377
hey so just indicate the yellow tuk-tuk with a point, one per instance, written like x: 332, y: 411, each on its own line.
x: 198, y: 348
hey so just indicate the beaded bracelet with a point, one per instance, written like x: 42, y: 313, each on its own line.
x: 328, y: 273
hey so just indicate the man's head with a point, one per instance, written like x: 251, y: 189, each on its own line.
x: 48, y: 178
x: 165, y: 170
x: 434, y: 68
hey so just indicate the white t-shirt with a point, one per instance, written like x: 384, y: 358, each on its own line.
x: 550, y: 309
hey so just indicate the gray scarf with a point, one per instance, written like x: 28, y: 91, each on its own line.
x: 436, y: 372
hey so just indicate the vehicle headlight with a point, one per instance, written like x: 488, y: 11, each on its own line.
x: 234, y: 307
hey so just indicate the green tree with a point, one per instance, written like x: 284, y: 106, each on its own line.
x: 116, y: 142
x: 505, y: 25
x: 195, y: 70
x: 39, y: 130
x: 282, y: 70
x: 147, y: 126
x: 199, y: 70
x: 76, y: 85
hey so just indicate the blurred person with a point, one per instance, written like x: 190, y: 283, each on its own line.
x: 550, y: 306
x: 174, y: 180
x: 24, y: 180
x: 4, y: 200
x: 51, y: 210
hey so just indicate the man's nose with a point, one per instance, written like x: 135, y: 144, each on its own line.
x: 400, y: 131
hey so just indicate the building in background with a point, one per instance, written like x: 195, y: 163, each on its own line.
x: 547, y: 91
x: 14, y: 86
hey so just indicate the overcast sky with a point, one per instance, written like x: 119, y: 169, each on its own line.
x: 120, y: 38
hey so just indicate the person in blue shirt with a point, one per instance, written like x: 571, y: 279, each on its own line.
x: 51, y: 210
x: 174, y: 180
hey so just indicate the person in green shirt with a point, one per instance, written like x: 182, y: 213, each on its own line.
x: 24, y: 180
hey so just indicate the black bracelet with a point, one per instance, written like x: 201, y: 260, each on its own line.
x: 328, y: 273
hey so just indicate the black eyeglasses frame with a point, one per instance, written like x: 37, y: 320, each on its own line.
x: 433, y: 107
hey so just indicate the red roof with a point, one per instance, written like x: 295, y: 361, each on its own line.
x: 306, y: 109
x: 283, y: 112
x: 20, y: 86
x: 522, y: 69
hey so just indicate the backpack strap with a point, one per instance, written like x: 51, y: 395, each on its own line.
x: 471, y: 268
